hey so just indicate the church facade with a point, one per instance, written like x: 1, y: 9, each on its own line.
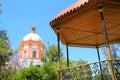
x: 31, y: 49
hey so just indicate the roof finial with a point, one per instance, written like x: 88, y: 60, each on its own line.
x: 33, y: 29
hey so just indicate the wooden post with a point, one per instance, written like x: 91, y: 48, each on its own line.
x: 107, y: 42
x: 58, y: 36
x: 99, y: 63
x: 67, y: 55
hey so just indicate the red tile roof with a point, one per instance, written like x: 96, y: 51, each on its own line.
x: 74, y: 6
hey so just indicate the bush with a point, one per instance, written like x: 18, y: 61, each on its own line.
x: 46, y: 72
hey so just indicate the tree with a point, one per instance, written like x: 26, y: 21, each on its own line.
x: 49, y: 71
x: 51, y: 54
x: 30, y: 73
x: 84, y: 72
x: 63, y: 62
x: 113, y: 50
x: 12, y: 66
x: 5, y: 52
x: 5, y: 49
x: 46, y: 72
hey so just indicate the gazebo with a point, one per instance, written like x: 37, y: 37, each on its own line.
x: 89, y: 23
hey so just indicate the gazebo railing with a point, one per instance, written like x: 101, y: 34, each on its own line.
x: 93, y: 71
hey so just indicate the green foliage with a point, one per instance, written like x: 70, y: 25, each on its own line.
x: 5, y: 52
x: 51, y: 54
x: 31, y: 73
x: 46, y: 72
x: 81, y: 62
x: 49, y: 71
x: 7, y: 73
x: 5, y: 49
x: 63, y: 62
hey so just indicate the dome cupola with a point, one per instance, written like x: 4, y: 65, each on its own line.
x: 32, y: 35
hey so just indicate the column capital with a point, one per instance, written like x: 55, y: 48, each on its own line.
x: 58, y: 29
x: 100, y: 8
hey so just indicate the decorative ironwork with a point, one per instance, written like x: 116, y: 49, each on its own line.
x: 91, y: 71
x: 116, y: 64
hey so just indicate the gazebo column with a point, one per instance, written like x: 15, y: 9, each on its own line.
x: 99, y: 63
x: 58, y: 40
x: 67, y: 55
x: 107, y: 42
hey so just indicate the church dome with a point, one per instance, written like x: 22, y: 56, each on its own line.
x: 31, y: 49
x: 32, y: 35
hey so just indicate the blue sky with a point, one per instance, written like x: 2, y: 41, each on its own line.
x: 19, y: 15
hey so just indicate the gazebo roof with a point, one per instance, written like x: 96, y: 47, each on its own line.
x: 80, y: 24
x: 74, y: 6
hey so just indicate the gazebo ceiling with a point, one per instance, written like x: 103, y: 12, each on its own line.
x: 80, y: 24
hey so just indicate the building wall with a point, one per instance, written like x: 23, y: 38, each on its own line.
x: 26, y: 50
